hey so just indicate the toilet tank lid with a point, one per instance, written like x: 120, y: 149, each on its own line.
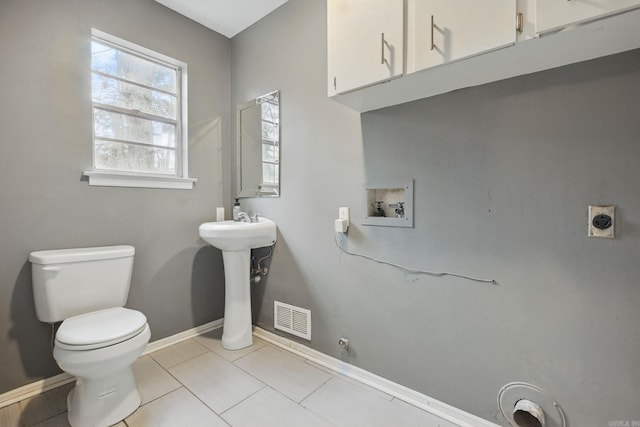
x: 60, y: 256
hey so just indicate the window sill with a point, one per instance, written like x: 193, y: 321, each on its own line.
x: 131, y: 179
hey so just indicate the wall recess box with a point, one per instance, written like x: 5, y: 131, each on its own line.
x: 388, y: 202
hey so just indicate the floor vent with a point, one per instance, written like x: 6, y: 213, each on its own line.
x: 292, y: 319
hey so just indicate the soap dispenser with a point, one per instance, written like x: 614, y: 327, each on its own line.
x: 236, y: 210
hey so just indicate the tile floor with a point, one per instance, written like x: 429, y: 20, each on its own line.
x: 198, y: 383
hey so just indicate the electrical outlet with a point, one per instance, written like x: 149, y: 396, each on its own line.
x: 602, y: 221
x: 343, y: 213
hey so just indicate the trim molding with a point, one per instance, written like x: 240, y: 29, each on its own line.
x: 429, y: 404
x: 50, y: 383
x: 136, y: 180
x: 181, y: 336
x: 33, y: 389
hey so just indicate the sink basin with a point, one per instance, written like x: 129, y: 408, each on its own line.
x: 238, y: 236
x: 236, y: 239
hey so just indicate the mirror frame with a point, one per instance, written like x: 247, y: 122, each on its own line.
x: 270, y: 191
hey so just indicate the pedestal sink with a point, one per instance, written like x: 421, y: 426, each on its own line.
x: 235, y: 240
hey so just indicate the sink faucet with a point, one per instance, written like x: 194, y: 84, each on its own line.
x: 245, y: 217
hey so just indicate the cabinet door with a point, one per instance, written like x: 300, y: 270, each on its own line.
x: 441, y: 31
x: 365, y: 42
x: 555, y: 14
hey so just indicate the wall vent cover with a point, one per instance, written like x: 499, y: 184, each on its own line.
x: 292, y: 319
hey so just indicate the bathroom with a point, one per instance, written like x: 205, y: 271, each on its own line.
x: 503, y: 175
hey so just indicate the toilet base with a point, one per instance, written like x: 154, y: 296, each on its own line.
x: 103, y: 401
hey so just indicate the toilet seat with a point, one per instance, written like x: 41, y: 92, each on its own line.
x: 100, y: 329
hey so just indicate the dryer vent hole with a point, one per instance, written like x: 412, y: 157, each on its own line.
x: 525, y: 419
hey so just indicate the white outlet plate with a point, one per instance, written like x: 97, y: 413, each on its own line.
x: 343, y: 213
x: 594, y: 211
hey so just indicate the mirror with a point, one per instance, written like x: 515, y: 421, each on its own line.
x: 258, y: 144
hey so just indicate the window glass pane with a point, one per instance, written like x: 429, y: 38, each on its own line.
x: 108, y: 124
x: 136, y: 108
x: 270, y: 112
x: 269, y: 132
x: 115, y: 62
x: 268, y: 153
x: 126, y: 157
x: 269, y: 173
x: 110, y: 91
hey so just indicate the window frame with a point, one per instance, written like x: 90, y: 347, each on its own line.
x: 271, y: 186
x: 117, y: 178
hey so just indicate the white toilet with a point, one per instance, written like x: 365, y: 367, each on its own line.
x: 98, y: 339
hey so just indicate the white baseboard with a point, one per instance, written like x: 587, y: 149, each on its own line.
x: 181, y: 336
x: 50, y: 383
x: 429, y: 404
x: 440, y: 409
x: 35, y: 388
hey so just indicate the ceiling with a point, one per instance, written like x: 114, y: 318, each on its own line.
x: 227, y: 17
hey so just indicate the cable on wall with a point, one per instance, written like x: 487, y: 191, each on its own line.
x: 411, y: 270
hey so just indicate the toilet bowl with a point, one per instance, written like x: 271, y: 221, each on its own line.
x: 98, y: 339
x: 98, y: 348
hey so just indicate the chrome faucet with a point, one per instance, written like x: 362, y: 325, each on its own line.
x: 245, y: 217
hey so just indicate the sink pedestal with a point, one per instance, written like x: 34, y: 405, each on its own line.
x: 236, y: 332
x: 236, y: 239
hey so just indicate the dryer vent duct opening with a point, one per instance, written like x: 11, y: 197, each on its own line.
x: 527, y: 405
x: 528, y: 414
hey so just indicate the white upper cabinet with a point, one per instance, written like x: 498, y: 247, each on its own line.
x: 365, y: 43
x: 442, y: 31
x: 453, y: 44
x: 555, y: 14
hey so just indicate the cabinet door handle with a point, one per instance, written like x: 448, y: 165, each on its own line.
x: 382, y: 59
x: 433, y: 45
x: 519, y: 23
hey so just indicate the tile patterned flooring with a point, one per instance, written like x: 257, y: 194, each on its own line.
x: 196, y: 383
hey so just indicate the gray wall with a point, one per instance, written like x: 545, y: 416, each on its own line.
x: 503, y: 177
x: 45, y: 144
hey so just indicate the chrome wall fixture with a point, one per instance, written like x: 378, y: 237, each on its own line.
x: 258, y: 269
x: 343, y: 343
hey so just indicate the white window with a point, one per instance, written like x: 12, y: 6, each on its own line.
x: 270, y: 143
x: 139, y: 116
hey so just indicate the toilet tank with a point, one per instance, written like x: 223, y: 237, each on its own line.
x: 68, y: 282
